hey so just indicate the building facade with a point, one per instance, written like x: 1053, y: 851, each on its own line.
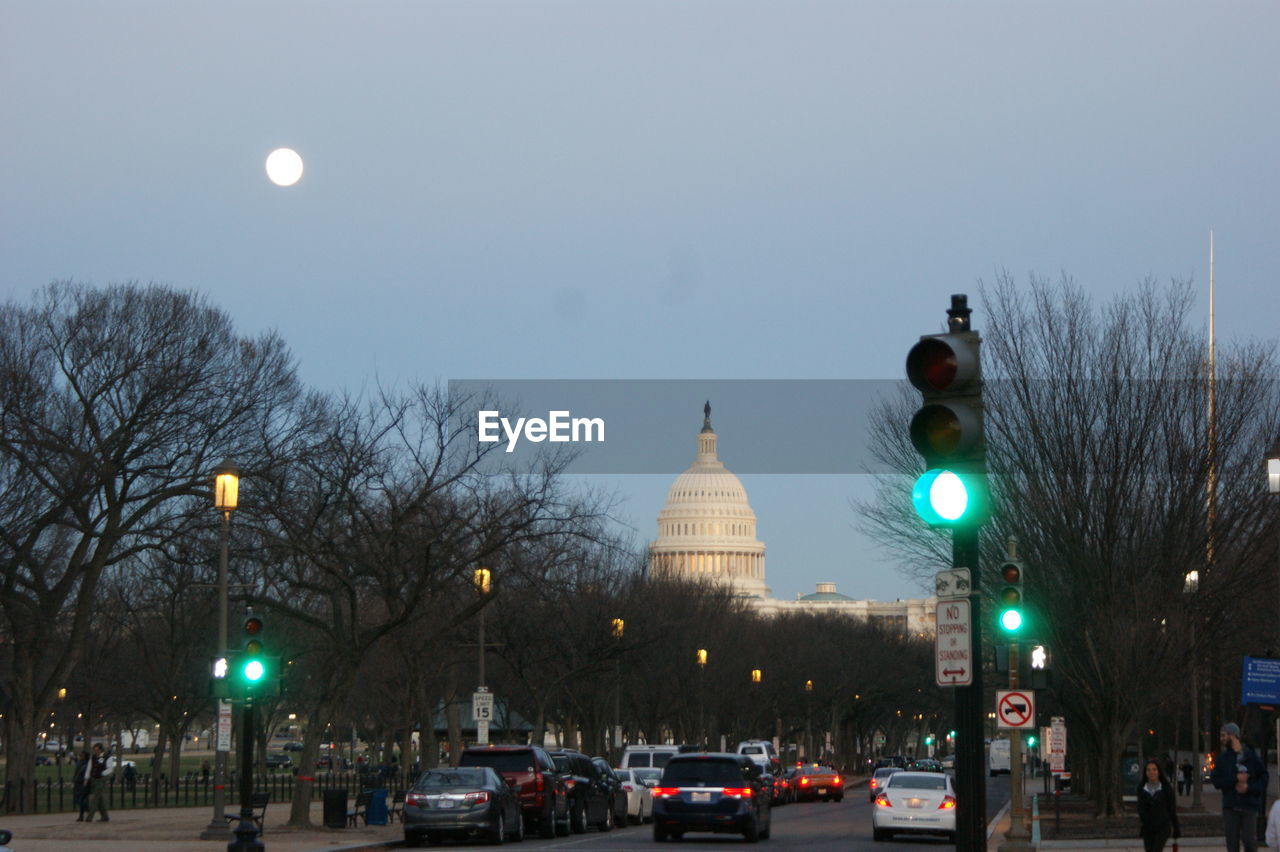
x: 707, y: 531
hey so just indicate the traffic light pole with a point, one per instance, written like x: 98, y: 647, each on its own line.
x: 971, y: 782
x: 246, y: 833
x: 1018, y: 837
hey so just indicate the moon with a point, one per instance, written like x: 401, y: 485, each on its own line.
x: 284, y: 167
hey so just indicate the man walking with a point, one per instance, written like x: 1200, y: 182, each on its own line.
x: 1240, y: 774
x: 98, y: 776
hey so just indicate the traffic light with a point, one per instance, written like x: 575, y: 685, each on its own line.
x: 948, y: 428
x: 1031, y: 740
x: 253, y: 673
x: 1011, y: 605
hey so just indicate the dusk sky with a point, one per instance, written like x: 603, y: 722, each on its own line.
x: 694, y: 189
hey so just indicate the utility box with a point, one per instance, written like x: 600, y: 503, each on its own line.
x: 335, y: 808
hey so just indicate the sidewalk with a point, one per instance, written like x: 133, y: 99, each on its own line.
x: 178, y: 830
x: 1210, y: 802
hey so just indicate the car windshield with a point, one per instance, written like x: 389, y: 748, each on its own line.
x: 648, y: 775
x: 502, y: 761
x: 918, y: 782
x: 702, y: 773
x: 451, y: 778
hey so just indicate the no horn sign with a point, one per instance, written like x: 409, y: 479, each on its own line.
x: 1016, y: 708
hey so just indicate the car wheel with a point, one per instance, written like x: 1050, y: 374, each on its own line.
x: 547, y: 826
x: 578, y: 817
x: 518, y: 834
x: 414, y: 838
x: 951, y: 837
x: 563, y: 827
x: 498, y: 835
x: 879, y: 836
x: 659, y: 834
x: 839, y: 798
x: 752, y: 831
x: 606, y: 824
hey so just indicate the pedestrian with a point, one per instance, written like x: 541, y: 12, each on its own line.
x: 1157, y: 808
x: 130, y: 776
x: 1242, y: 777
x: 1185, y: 782
x: 1273, y: 826
x: 204, y: 771
x: 98, y: 777
x: 80, y: 787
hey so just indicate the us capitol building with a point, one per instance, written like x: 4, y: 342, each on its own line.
x: 708, y: 531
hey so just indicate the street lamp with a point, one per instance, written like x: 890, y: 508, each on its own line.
x: 618, y: 626
x: 482, y: 578
x: 226, y: 496
x: 701, y: 658
x: 1191, y: 585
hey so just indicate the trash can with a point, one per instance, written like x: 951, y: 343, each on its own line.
x: 335, y: 808
x: 376, y: 810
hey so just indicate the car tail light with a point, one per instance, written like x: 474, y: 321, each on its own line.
x: 540, y: 783
x: 570, y: 783
x: 805, y: 782
x: 738, y: 792
x: 665, y: 792
x: 477, y: 798
x: 836, y: 781
x: 948, y: 802
x: 416, y: 799
x: 873, y: 783
x: 628, y: 788
x: 882, y: 801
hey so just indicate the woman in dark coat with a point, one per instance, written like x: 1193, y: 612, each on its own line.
x: 79, y: 790
x: 1157, y: 808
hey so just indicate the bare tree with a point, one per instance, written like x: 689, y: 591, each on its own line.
x: 113, y: 403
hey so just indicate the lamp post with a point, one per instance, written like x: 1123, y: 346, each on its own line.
x: 808, y: 731
x: 1191, y: 585
x: 482, y: 578
x: 1273, y: 485
x: 618, y: 626
x: 226, y: 496
x: 701, y: 658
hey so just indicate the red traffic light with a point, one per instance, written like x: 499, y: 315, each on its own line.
x: 1011, y: 572
x: 941, y: 364
x: 252, y: 625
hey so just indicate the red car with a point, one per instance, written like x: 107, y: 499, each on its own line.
x: 532, y: 776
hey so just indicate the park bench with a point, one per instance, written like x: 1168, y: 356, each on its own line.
x: 397, y: 807
x: 360, y: 810
x: 258, y: 805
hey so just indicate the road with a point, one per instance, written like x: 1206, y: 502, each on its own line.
x: 810, y: 825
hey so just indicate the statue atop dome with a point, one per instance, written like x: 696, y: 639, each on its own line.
x: 706, y: 417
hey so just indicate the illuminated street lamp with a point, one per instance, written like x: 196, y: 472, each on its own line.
x: 618, y: 626
x: 701, y: 658
x: 482, y: 579
x: 226, y: 496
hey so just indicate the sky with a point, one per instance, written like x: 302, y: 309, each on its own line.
x: 682, y: 190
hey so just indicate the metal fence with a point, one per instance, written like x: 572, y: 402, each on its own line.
x: 53, y: 796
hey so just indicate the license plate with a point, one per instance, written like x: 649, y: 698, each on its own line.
x: 445, y: 803
x: 915, y: 803
x: 700, y: 797
x: 822, y: 790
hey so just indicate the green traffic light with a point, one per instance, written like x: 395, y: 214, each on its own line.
x: 941, y: 497
x: 1011, y: 620
x: 254, y: 671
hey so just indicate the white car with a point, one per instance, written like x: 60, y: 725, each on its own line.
x: 915, y: 802
x: 639, y: 796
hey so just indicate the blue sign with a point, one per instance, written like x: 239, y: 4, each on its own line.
x: 1261, y: 681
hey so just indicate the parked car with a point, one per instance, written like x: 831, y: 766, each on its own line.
x: 590, y: 794
x: 543, y: 796
x: 650, y: 776
x: 639, y: 797
x: 279, y: 761
x: 916, y: 802
x: 878, y: 779
x: 819, y: 782
x: 292, y: 745
x: 614, y: 783
x: 711, y: 792
x: 466, y: 802
x: 648, y: 755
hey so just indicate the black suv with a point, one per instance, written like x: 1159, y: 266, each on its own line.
x: 711, y: 792
x: 590, y: 795
x: 532, y: 776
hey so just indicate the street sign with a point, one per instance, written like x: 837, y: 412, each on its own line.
x: 1261, y: 681
x: 1057, y: 744
x: 955, y: 583
x: 224, y: 726
x: 1016, y: 708
x: 482, y: 705
x: 952, y: 643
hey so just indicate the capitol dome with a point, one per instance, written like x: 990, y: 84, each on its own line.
x: 707, y: 529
